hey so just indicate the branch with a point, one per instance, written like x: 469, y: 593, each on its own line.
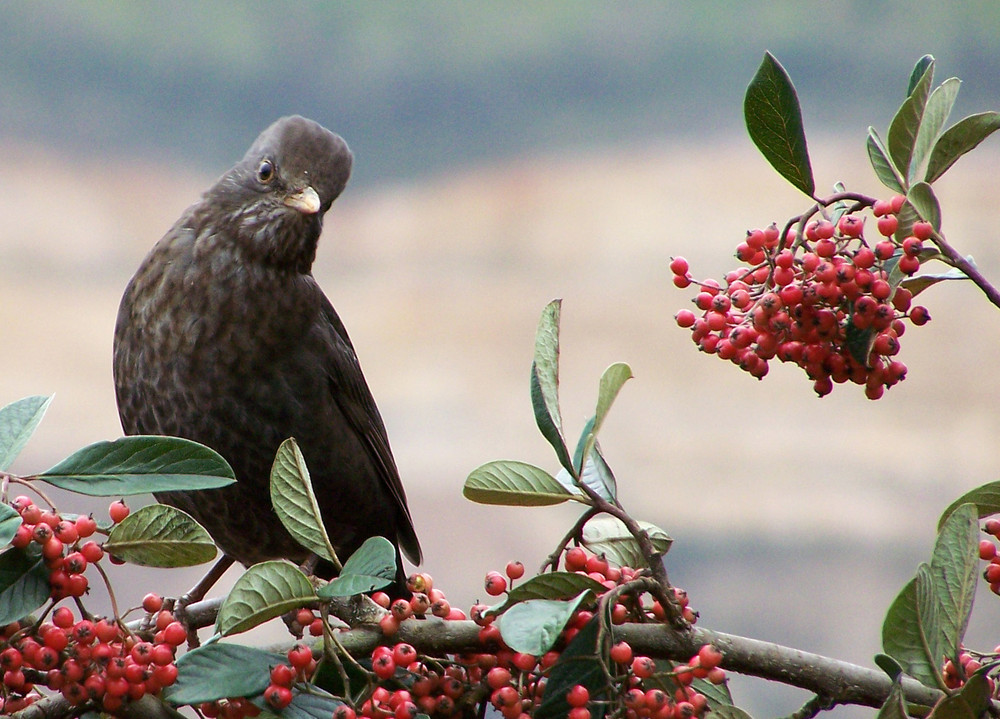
x: 968, y: 268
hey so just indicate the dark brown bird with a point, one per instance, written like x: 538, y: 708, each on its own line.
x: 224, y: 337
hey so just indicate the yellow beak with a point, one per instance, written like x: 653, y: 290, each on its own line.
x: 305, y: 201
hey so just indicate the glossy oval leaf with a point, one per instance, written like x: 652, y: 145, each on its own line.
x: 936, y: 113
x: 906, y: 123
x: 140, y: 465
x: 578, y: 663
x: 774, y: 120
x: 886, y: 172
x: 10, y: 521
x: 545, y: 382
x: 911, y: 631
x: 24, y: 584
x: 553, y: 585
x: 371, y: 567
x: 216, y: 671
x: 612, y: 380
x: 533, y: 626
x: 513, y: 483
x: 986, y: 498
x: 925, y: 202
x: 295, y: 502
x: 954, y: 569
x: 609, y: 537
x: 265, y: 591
x: 160, y: 536
x: 18, y: 421
x: 960, y: 138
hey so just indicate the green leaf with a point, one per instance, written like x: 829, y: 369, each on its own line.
x: 328, y: 678
x: 609, y: 537
x: 216, y: 671
x: 859, y: 341
x: 911, y: 631
x: 160, y: 536
x: 265, y: 591
x: 923, y: 64
x: 596, y: 474
x: 139, y: 465
x: 10, y: 521
x: 611, y: 383
x: 545, y: 382
x: 774, y: 121
x: 579, y: 663
x: 371, y: 567
x: 889, y: 665
x: 295, y: 502
x: 886, y: 172
x: 514, y: 483
x: 936, y: 113
x: 895, y: 704
x: 919, y: 283
x: 955, y: 707
x: 553, y: 585
x: 24, y: 584
x: 923, y: 200
x: 718, y: 695
x: 534, y: 625
x: 18, y: 421
x: 960, y: 138
x: 904, y: 126
x: 954, y: 566
x: 986, y: 498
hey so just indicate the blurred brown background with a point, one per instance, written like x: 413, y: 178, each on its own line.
x: 523, y: 157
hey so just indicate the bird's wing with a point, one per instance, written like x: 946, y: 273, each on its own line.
x: 357, y: 404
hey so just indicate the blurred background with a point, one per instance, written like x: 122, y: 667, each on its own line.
x: 506, y: 154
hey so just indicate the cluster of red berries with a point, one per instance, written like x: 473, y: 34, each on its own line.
x: 410, y: 684
x: 954, y: 679
x: 823, y: 299
x: 86, y: 660
x: 988, y: 553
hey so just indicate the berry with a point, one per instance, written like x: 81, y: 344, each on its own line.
x: 679, y: 266
x: 278, y: 697
x: 578, y: 696
x: 152, y: 603
x: 282, y: 675
x: 118, y: 511
x: 923, y: 230
x: 495, y: 584
x: 621, y: 653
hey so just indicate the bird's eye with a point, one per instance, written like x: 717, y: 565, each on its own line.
x: 265, y: 171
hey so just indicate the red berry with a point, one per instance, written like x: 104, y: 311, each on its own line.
x: 643, y: 667
x: 152, y: 603
x: 278, y: 697
x: 162, y: 654
x: 300, y: 656
x: 118, y: 511
x: 85, y: 526
x: 679, y: 266
x: 578, y: 696
x: 495, y: 584
x: 384, y: 666
x: 92, y: 552
x: 282, y: 675
x: 887, y: 225
x: 709, y: 657
x: 923, y: 230
x: 576, y: 559
x: 885, y: 249
x: 919, y: 316
x: 621, y: 653
x: 850, y: 226
x: 65, y: 531
x: 987, y: 550
x: 63, y: 617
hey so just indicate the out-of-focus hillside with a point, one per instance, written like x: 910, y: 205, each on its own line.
x: 419, y: 87
x: 795, y: 519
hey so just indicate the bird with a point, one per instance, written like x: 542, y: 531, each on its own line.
x: 224, y: 337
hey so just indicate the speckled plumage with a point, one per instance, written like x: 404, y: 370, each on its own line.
x: 224, y: 337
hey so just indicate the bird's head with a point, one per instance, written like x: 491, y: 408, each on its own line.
x: 277, y: 194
